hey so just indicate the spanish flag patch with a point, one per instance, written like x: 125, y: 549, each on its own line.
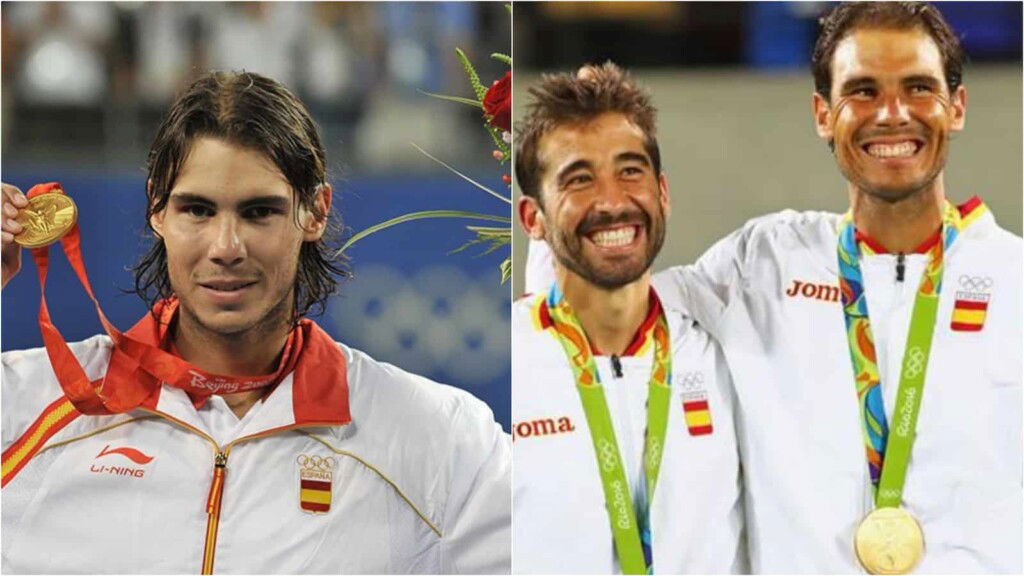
x: 969, y: 315
x: 698, y: 417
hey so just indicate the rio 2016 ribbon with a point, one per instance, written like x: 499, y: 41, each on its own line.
x: 632, y: 539
x: 888, y: 449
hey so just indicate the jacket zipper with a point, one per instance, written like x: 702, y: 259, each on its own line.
x: 901, y: 266
x: 616, y: 366
x: 220, y: 469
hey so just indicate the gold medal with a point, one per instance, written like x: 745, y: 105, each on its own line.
x: 889, y: 541
x: 46, y: 218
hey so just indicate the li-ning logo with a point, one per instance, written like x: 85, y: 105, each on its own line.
x: 316, y: 475
x: 132, y: 454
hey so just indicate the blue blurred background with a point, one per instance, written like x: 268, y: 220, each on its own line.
x: 86, y: 84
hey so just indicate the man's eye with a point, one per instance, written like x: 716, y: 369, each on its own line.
x: 259, y: 212
x: 577, y: 180
x: 863, y: 93
x: 632, y: 171
x: 920, y: 89
x: 198, y: 210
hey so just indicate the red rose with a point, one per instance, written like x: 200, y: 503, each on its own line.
x: 498, y: 103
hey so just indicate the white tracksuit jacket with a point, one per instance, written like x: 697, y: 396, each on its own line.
x: 561, y: 525
x: 769, y: 294
x: 419, y: 481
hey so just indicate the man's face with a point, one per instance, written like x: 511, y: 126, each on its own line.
x: 232, y: 239
x: 891, y: 113
x: 604, y: 208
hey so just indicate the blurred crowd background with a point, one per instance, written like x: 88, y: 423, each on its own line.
x: 732, y: 84
x: 85, y: 85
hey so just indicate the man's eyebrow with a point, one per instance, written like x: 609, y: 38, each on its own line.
x: 577, y: 165
x: 857, y: 82
x: 633, y: 157
x: 922, y: 79
x: 190, y: 198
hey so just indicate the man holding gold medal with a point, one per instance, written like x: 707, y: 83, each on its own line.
x: 625, y: 452
x: 225, y: 431
x: 876, y: 356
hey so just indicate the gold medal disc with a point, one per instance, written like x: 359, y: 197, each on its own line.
x: 889, y: 541
x: 46, y: 218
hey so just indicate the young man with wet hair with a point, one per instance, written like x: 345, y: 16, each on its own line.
x: 225, y: 431
x: 625, y: 451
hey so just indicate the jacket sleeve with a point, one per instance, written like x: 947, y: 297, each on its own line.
x: 477, y: 519
x: 704, y: 289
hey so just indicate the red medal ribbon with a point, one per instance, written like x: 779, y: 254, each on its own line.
x: 138, y: 364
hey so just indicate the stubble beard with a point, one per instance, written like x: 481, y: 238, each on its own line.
x: 567, y: 248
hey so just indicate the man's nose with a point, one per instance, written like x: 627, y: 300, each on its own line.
x: 893, y: 111
x: 227, y: 247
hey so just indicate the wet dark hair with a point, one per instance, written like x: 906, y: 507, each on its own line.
x: 258, y: 113
x: 565, y: 98
x: 849, y: 16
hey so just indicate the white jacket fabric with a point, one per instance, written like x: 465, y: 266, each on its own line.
x: 769, y: 294
x: 561, y: 524
x: 418, y: 482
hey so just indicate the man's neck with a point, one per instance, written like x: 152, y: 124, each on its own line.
x: 253, y: 353
x: 900, y: 226
x: 610, y: 318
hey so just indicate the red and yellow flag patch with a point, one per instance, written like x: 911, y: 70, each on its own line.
x: 969, y: 315
x: 698, y: 417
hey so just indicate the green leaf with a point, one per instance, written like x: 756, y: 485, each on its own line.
x: 420, y: 216
x: 502, y: 58
x: 506, y: 269
x: 474, y: 80
x: 463, y: 176
x: 459, y: 99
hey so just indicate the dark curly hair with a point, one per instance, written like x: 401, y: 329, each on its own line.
x: 565, y: 98
x: 258, y: 113
x: 848, y: 16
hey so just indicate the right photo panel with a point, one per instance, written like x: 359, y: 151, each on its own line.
x: 768, y: 288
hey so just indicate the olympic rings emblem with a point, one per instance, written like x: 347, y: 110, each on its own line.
x: 692, y: 381
x: 607, y: 455
x: 914, y: 363
x: 316, y: 462
x: 975, y: 282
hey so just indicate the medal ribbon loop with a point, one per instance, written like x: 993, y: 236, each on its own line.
x: 632, y: 538
x: 888, y: 451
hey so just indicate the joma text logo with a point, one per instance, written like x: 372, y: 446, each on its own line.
x: 801, y: 289
x: 542, y: 427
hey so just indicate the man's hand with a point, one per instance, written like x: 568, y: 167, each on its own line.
x: 13, y: 202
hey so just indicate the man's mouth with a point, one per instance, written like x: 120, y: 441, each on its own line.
x: 614, y: 237
x: 902, y: 149
x: 227, y: 285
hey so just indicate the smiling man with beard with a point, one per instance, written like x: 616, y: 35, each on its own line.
x: 625, y: 451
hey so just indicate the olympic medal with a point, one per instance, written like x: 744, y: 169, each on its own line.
x: 889, y: 541
x: 46, y: 218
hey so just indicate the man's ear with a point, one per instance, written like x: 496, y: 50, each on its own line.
x: 531, y: 217
x: 822, y: 116
x: 664, y: 197
x: 313, y: 226
x: 958, y: 108
x: 156, y: 219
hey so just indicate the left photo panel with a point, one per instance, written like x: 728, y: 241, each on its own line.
x: 255, y: 301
